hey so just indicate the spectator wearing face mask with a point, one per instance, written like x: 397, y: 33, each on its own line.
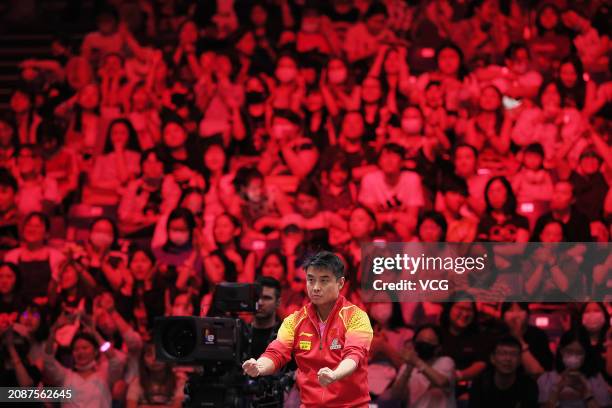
x: 595, y: 319
x: 427, y: 378
x: 575, y: 381
x: 252, y: 119
x: 289, y: 91
x: 505, y: 385
x: 178, y: 251
x: 535, y: 354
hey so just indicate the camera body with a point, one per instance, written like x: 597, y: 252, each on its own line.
x: 218, y: 346
x: 193, y: 340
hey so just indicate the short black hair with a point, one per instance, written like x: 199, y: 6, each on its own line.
x: 376, y: 8
x: 535, y: 148
x: 395, y: 148
x: 513, y: 48
x: 579, y: 334
x: 509, y: 303
x: 455, y: 184
x: 7, y: 179
x: 309, y: 188
x: 508, y: 341
x: 325, y: 260
x: 270, y: 282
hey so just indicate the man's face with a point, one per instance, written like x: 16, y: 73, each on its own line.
x: 322, y: 286
x: 390, y: 162
x: 307, y: 205
x: 506, y: 359
x: 267, y: 303
x: 562, y: 196
x: 454, y: 201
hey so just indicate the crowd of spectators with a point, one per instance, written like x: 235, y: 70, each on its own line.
x: 182, y: 144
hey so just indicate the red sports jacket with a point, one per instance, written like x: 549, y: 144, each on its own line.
x: 347, y: 334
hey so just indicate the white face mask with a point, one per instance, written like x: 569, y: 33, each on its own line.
x: 178, y: 238
x: 101, y: 239
x: 593, y: 321
x: 573, y: 361
x: 412, y: 125
x: 381, y: 312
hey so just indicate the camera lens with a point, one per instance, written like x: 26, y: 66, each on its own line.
x: 179, y: 339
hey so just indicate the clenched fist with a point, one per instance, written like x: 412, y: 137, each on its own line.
x: 326, y: 376
x: 251, y: 368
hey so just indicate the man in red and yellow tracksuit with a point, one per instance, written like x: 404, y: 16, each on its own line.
x: 330, y: 339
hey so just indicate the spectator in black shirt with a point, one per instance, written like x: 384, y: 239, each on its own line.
x: 536, y: 356
x: 266, y: 323
x: 505, y: 384
x: 590, y: 185
x: 562, y: 207
x: 463, y: 341
x: 501, y: 223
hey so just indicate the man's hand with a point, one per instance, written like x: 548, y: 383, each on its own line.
x: 251, y: 368
x: 326, y: 376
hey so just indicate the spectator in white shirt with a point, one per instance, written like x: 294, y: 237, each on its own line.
x: 394, y: 195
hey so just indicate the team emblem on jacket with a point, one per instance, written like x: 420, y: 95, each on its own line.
x: 335, y: 345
